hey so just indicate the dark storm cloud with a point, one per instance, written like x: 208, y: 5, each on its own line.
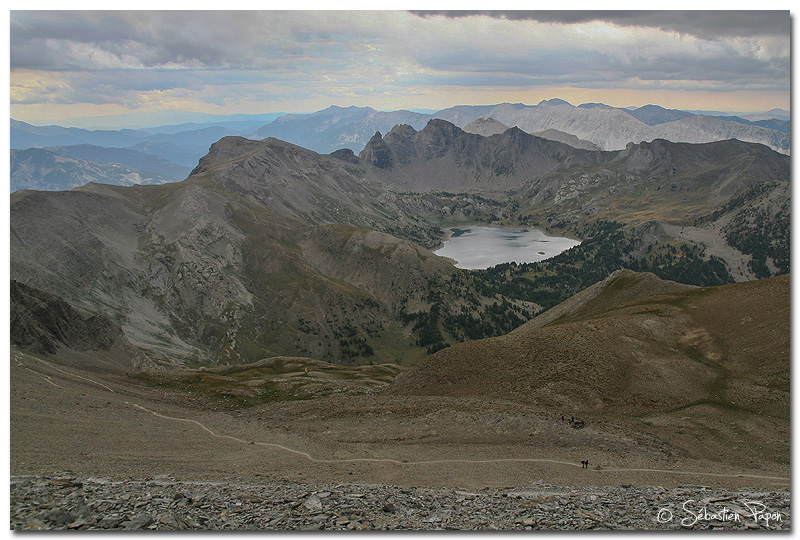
x: 703, y: 24
x: 475, y: 66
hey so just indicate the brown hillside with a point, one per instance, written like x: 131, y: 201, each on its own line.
x: 725, y: 346
x: 619, y: 288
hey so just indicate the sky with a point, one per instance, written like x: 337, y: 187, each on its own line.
x: 74, y: 64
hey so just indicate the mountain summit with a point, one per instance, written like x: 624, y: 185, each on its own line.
x: 442, y: 156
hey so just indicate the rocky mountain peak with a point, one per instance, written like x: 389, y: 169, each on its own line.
x: 350, y: 108
x: 438, y: 126
x: 485, y: 127
x: 404, y: 144
x: 554, y: 101
x: 653, y: 115
x: 438, y: 136
x: 225, y: 149
x: 345, y: 154
x: 401, y: 131
x: 652, y: 156
x: 377, y: 152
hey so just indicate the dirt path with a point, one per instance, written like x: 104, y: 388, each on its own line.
x: 30, y: 365
x: 443, y: 461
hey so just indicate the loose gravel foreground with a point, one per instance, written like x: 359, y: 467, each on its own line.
x: 67, y: 501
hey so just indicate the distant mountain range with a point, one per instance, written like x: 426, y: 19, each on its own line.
x: 337, y: 127
x: 124, y: 156
x: 166, y: 121
x: 183, y: 147
x: 607, y: 127
x: 489, y: 126
x: 590, y: 126
x: 51, y: 170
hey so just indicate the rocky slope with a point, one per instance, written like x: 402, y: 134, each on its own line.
x: 44, y: 324
x: 40, y: 321
x: 64, y: 501
x: 248, y: 258
x: 620, y: 287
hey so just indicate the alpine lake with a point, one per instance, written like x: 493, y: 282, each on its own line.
x: 478, y: 248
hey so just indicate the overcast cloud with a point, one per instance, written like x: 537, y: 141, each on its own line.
x: 294, y: 61
x: 703, y: 24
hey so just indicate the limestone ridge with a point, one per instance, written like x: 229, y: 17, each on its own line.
x: 489, y: 126
x: 652, y: 115
x: 675, y: 183
x: 443, y: 156
x: 566, y: 138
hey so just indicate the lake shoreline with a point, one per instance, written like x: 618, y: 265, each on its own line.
x: 477, y: 258
x: 448, y: 232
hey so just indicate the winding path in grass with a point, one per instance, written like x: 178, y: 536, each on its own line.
x: 310, y: 457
